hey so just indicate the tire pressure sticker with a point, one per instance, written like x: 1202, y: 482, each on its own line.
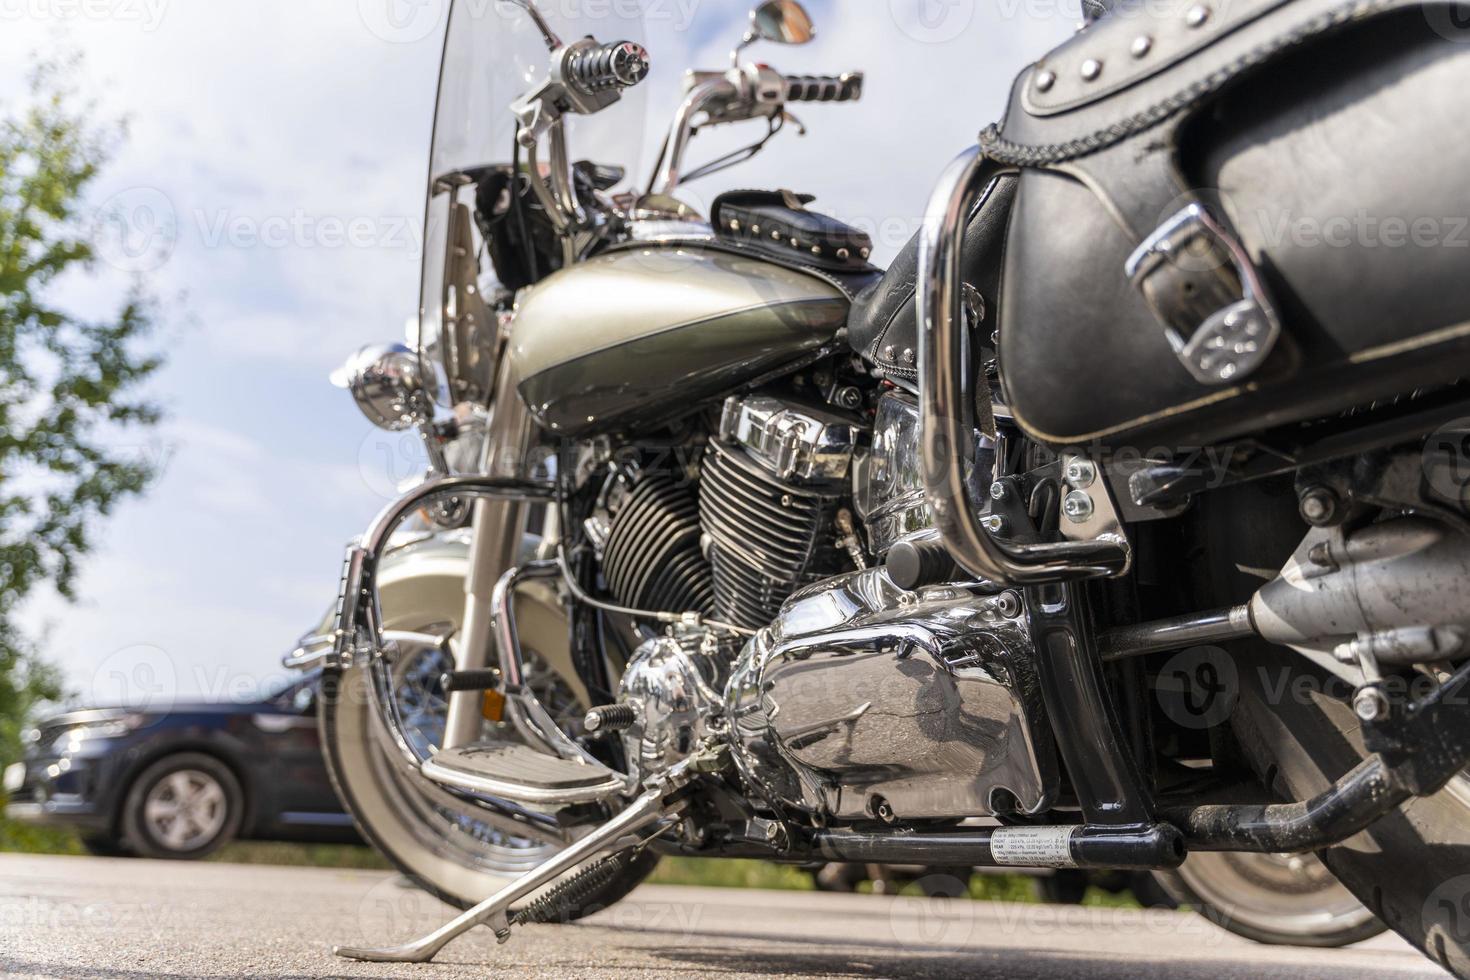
x: 1033, y: 847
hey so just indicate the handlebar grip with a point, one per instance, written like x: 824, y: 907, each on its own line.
x: 621, y: 64
x: 824, y: 88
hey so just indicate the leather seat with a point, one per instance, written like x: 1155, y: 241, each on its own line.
x: 883, y: 325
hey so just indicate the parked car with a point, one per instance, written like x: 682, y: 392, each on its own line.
x: 180, y: 783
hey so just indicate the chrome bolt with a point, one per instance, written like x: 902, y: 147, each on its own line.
x: 1142, y: 45
x: 1081, y: 473
x: 1091, y: 69
x: 1369, y: 704
x: 1197, y: 15
x: 1078, y: 507
x: 1045, y: 80
x: 994, y: 523
x: 1319, y: 506
x: 908, y: 355
x: 999, y: 490
x: 1007, y: 605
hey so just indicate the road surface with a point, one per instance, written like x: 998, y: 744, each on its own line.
x: 93, y: 918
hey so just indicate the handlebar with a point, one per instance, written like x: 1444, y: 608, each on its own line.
x: 847, y: 87
x: 618, y: 65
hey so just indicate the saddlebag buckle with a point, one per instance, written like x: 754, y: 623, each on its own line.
x: 1198, y: 279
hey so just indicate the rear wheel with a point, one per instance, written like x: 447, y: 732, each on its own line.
x: 1282, y: 899
x: 1412, y: 868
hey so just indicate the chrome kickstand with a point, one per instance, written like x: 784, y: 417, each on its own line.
x: 644, y: 811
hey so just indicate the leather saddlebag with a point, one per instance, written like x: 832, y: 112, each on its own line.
x: 1233, y: 215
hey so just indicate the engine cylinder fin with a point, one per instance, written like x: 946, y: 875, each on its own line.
x: 652, y: 559
x: 766, y: 537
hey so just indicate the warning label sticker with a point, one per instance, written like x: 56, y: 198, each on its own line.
x: 1033, y: 847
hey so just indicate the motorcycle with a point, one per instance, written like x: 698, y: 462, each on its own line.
x: 1101, y: 529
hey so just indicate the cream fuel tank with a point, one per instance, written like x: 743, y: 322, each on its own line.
x: 601, y: 345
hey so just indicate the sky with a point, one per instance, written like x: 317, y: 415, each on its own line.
x: 269, y: 193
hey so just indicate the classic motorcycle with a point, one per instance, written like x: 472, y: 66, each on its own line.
x: 1104, y: 527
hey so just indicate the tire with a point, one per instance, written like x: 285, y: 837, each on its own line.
x: 1062, y: 888
x: 105, y: 845
x: 432, y: 837
x: 182, y: 807
x: 1412, y: 868
x: 1277, y: 899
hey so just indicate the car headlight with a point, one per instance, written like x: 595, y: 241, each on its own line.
x: 111, y: 728
x: 15, y: 776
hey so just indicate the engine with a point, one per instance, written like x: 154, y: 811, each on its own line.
x: 762, y: 523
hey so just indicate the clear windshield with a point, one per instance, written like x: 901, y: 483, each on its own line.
x: 494, y: 53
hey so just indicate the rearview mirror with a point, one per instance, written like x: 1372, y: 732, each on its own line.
x: 782, y: 21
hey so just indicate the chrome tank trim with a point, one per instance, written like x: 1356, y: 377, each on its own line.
x: 865, y: 701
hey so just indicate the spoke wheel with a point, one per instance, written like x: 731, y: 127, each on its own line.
x: 449, y: 846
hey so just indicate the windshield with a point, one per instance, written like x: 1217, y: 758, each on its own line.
x: 494, y: 53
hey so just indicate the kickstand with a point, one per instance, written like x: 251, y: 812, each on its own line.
x: 648, y: 809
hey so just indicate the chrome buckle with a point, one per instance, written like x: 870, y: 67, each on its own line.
x: 1231, y: 343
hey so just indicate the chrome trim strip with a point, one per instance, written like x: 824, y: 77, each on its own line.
x: 520, y: 793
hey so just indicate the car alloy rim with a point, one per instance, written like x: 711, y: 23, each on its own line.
x: 185, y: 809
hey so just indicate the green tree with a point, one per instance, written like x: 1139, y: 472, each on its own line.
x: 71, y: 389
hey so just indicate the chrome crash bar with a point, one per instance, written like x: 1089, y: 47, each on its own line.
x: 946, y: 393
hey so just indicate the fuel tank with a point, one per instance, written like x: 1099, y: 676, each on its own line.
x: 640, y: 335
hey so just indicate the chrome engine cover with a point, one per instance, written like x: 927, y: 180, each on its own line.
x: 673, y: 685
x: 864, y: 700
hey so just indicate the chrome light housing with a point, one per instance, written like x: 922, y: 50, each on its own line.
x: 388, y: 385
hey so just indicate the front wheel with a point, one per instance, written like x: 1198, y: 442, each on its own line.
x: 1412, y: 868
x: 450, y: 848
x: 182, y: 807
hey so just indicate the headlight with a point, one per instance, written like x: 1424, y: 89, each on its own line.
x: 388, y: 386
x: 112, y: 728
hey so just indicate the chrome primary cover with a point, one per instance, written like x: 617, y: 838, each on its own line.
x: 865, y: 701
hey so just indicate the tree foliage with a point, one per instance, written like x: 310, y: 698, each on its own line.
x: 71, y: 388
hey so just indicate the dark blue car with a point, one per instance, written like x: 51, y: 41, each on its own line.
x: 180, y: 783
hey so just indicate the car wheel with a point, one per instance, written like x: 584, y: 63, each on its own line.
x: 103, y: 845
x: 182, y: 807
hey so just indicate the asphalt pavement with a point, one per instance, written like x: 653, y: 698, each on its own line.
x: 94, y: 918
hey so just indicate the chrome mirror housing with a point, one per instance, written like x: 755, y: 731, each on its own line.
x: 781, y: 21
x: 388, y: 386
